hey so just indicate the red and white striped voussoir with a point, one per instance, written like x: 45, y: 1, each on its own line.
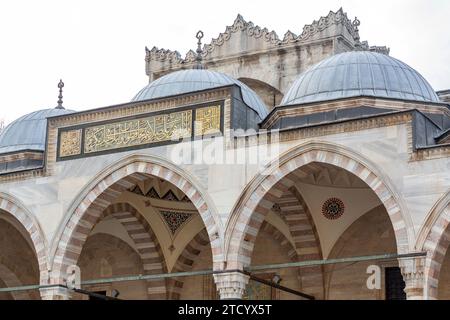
x: 104, y: 193
x: 254, y: 204
x: 11, y: 280
x: 186, y: 260
x: 436, y: 245
x: 306, y: 239
x: 146, y: 244
x: 31, y: 226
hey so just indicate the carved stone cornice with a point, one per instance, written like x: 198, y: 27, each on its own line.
x: 323, y: 129
x: 269, y: 39
x: 138, y: 108
x: 130, y: 110
x: 338, y: 17
x: 433, y: 152
x: 378, y: 49
x: 22, y: 175
x: 340, y: 104
x: 24, y: 171
x: 162, y: 55
x: 344, y: 126
x: 31, y: 155
x: 250, y: 29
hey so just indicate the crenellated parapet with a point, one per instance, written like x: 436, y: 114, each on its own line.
x: 244, y: 49
x: 162, y: 55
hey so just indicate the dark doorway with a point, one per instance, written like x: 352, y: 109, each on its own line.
x: 395, y: 285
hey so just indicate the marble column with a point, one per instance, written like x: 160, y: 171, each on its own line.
x: 413, y: 275
x: 52, y: 293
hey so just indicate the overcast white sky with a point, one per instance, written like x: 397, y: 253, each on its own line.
x: 97, y: 47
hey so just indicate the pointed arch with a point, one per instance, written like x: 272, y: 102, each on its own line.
x: 106, y: 255
x: 147, y: 245
x: 371, y: 233
x: 267, y: 187
x: 281, y: 239
x: 11, y: 280
x: 101, y: 192
x: 434, y: 238
x: 16, y: 209
x: 287, y: 249
x: 186, y: 260
x: 306, y: 239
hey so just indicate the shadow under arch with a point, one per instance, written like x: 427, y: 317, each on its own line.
x: 145, y: 242
x: 434, y: 238
x: 361, y: 237
x: 10, y: 279
x: 99, y: 259
x: 77, y: 215
x: 15, y: 208
x: 249, y: 211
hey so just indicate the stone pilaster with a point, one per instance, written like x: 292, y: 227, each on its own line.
x: 231, y: 285
x: 413, y: 275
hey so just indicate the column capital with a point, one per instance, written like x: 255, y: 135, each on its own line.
x: 48, y: 278
x: 413, y: 274
x: 231, y: 285
x: 55, y: 293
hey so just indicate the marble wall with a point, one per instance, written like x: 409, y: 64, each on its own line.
x: 52, y: 199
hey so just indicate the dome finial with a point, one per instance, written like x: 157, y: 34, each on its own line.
x: 198, y: 59
x: 356, y: 23
x: 60, y: 96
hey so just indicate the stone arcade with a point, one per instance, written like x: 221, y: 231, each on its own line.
x: 357, y: 163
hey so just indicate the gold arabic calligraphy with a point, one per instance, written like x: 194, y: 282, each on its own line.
x: 165, y: 127
x: 141, y: 131
x: 207, y: 120
x: 70, y: 143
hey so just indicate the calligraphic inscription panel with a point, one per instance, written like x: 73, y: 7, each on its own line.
x: 141, y: 131
x: 70, y: 143
x: 207, y: 120
x: 159, y: 128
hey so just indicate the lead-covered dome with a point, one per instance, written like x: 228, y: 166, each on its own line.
x: 359, y: 73
x: 192, y: 80
x: 28, y: 132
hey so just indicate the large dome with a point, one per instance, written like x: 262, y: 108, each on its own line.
x: 191, y: 80
x: 359, y: 73
x: 28, y: 132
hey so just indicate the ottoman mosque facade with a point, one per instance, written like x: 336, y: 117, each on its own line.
x: 253, y: 150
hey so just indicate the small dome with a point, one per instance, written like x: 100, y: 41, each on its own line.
x: 192, y: 80
x: 28, y: 132
x: 359, y: 73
